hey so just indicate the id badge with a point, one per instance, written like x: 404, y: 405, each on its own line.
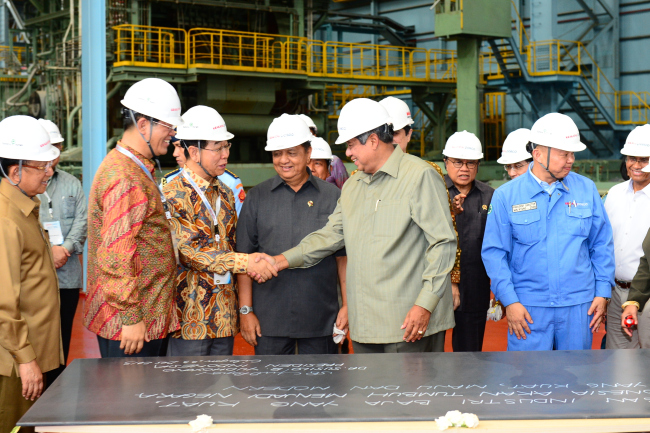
x: 54, y: 232
x: 222, y: 279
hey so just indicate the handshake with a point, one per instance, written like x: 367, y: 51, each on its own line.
x: 262, y: 267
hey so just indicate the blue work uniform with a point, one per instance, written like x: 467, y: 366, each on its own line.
x: 229, y: 178
x: 550, y: 248
x: 234, y: 183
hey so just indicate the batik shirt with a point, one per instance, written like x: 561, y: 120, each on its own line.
x: 130, y: 254
x: 205, y: 309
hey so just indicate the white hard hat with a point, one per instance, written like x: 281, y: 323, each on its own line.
x: 399, y: 111
x: 646, y: 169
x: 463, y: 145
x: 52, y: 130
x: 558, y: 131
x: 287, y: 131
x: 320, y: 149
x: 638, y: 142
x: 514, y: 148
x: 155, y: 98
x: 358, y: 116
x: 203, y: 123
x: 23, y: 137
x: 310, y: 123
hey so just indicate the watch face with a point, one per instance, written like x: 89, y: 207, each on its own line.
x: 245, y: 309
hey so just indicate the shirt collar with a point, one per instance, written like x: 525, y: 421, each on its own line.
x: 146, y: 161
x: 201, y: 182
x: 535, y: 185
x: 276, y: 181
x: 391, y: 166
x: 20, y: 200
x: 630, y: 188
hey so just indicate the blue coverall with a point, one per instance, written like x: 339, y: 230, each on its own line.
x: 553, y: 253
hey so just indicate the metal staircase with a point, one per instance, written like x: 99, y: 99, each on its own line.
x: 522, y: 66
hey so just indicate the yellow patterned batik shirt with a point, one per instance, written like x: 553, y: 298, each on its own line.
x: 205, y: 309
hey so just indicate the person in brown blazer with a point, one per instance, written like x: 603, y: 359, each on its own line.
x: 639, y: 289
x: 30, y: 330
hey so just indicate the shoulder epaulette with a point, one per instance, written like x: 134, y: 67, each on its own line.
x: 172, y: 173
x: 231, y: 173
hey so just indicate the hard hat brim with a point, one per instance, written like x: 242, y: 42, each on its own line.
x: 172, y: 120
x: 575, y: 147
x: 646, y: 169
x: 344, y: 138
x: 633, y: 153
x: 49, y: 155
x: 505, y: 160
x: 461, y: 155
x: 398, y: 126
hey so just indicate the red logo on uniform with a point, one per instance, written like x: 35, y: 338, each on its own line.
x: 242, y: 195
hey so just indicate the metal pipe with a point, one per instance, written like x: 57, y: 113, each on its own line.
x: 18, y: 94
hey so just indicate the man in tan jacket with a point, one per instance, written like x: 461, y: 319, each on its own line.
x: 30, y: 336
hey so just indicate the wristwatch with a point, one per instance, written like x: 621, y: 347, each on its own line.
x: 246, y: 309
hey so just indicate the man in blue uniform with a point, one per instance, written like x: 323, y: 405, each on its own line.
x: 548, y: 246
x: 228, y: 177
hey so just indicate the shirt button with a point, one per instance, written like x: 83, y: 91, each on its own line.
x: 552, y: 303
x: 525, y: 221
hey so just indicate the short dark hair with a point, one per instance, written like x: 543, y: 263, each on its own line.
x: 407, y: 129
x: 189, y: 143
x: 306, y: 145
x: 5, y: 163
x: 384, y: 133
x: 530, y: 146
x: 127, y: 121
x: 623, y: 170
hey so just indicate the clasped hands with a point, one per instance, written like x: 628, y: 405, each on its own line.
x: 261, y: 267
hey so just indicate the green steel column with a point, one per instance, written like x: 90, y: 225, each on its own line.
x: 468, y: 92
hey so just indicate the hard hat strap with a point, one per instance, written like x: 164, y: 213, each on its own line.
x: 548, y: 163
x: 153, y: 154
x: 20, y: 173
x: 201, y: 165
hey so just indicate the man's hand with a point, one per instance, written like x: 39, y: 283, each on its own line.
x: 415, y: 324
x: 455, y: 292
x: 630, y: 310
x: 32, y: 379
x: 457, y: 203
x: 133, y: 338
x: 60, y: 255
x: 342, y: 319
x: 261, y: 267
x: 517, y: 316
x: 250, y: 328
x: 599, y: 310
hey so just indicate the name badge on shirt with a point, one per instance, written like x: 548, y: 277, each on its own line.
x: 54, y: 232
x: 222, y: 279
x: 524, y: 206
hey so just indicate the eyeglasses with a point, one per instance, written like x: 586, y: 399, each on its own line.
x: 458, y: 164
x: 164, y: 124
x: 633, y: 160
x: 40, y: 167
x: 225, y: 147
x: 516, y: 167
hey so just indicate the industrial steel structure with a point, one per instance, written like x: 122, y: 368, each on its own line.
x: 488, y: 66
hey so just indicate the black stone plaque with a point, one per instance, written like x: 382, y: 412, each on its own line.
x: 386, y: 387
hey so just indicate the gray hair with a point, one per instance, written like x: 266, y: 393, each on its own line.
x: 384, y: 133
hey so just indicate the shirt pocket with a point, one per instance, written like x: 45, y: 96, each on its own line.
x: 69, y: 207
x: 578, y: 221
x: 387, y: 220
x: 524, y: 227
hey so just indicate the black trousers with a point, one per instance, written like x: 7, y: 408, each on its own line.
x: 468, y: 333
x: 287, y: 346
x: 111, y: 348
x: 69, y: 302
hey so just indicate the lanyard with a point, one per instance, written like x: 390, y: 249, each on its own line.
x: 204, y: 199
x: 49, y: 203
x: 125, y: 152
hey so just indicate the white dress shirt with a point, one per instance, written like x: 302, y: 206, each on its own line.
x: 629, y: 214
